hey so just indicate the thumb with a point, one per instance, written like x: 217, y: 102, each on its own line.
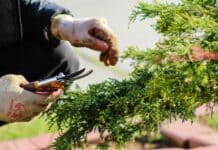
x: 50, y: 98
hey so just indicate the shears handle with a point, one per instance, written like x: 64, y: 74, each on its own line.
x: 37, y: 87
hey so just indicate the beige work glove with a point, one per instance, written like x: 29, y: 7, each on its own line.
x: 17, y: 104
x: 93, y: 33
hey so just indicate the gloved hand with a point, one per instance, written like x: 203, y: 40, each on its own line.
x: 17, y: 104
x: 93, y: 33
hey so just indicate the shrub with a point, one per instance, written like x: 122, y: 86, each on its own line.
x: 166, y: 81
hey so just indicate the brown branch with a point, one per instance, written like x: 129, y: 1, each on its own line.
x: 198, y: 54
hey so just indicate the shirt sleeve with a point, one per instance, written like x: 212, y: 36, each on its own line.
x: 36, y: 17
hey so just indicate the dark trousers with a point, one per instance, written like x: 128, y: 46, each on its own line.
x: 37, y: 61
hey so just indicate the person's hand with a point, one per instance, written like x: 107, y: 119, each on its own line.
x: 93, y: 33
x: 17, y: 104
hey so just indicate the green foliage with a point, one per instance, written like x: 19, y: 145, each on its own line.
x: 210, y: 120
x: 158, y: 89
x: 213, y: 121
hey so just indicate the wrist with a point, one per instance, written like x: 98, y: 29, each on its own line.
x: 60, y: 25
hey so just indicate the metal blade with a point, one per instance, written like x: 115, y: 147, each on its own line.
x: 82, y: 75
x: 66, y: 77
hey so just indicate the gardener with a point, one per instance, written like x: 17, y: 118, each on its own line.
x: 33, y: 43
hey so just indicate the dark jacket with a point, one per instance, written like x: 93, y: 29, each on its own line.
x: 25, y: 19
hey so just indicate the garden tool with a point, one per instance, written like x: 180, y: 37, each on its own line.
x: 54, y: 83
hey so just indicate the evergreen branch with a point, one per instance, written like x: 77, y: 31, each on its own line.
x: 157, y: 89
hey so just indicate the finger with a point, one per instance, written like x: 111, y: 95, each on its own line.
x: 99, y: 34
x: 112, y: 42
x: 51, y: 98
x: 113, y: 61
x: 15, y: 80
x: 55, y: 95
x: 113, y: 57
x: 22, y: 79
x: 109, y: 58
x: 96, y: 44
x: 104, y: 57
x: 107, y: 62
x: 104, y: 32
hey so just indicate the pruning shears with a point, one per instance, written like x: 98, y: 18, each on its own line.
x: 54, y: 83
